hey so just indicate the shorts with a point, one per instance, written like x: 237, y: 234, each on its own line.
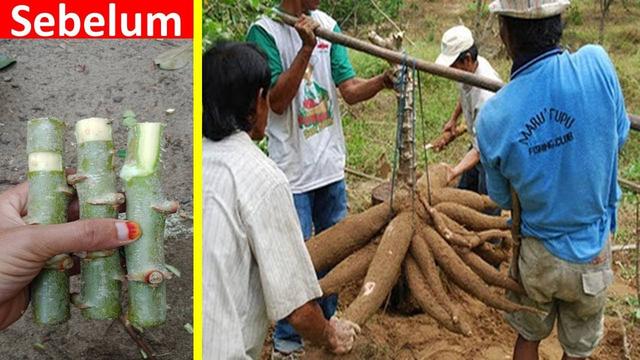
x: 574, y: 294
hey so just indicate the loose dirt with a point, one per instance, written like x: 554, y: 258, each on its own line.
x: 399, y: 336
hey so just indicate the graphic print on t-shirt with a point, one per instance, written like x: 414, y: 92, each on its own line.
x: 315, y: 114
x: 556, y: 137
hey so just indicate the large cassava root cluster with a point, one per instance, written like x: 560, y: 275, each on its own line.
x: 441, y: 234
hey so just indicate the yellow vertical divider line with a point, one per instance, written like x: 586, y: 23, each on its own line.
x: 197, y: 179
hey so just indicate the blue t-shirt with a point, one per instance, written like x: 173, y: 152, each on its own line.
x: 554, y: 133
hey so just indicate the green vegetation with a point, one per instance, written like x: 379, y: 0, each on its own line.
x: 230, y: 19
x: 351, y: 13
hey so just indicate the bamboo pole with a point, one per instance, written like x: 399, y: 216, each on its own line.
x: 421, y: 65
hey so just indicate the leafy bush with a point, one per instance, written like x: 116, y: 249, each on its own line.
x: 351, y: 12
x: 574, y: 15
x: 230, y: 19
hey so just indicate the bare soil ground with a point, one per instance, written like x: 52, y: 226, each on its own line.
x: 399, y: 336
x: 77, y: 79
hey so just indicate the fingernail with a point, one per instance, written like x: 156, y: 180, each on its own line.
x: 128, y: 230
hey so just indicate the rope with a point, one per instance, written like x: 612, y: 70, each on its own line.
x: 424, y: 140
x: 413, y: 135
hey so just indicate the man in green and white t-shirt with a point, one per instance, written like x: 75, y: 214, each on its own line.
x: 305, y: 133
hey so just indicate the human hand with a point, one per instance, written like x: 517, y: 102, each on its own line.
x: 389, y: 78
x: 452, y: 173
x: 26, y: 248
x: 342, y: 335
x: 450, y: 126
x: 305, y: 28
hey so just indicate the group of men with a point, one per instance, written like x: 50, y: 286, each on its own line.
x: 551, y: 135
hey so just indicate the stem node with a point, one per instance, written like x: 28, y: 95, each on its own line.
x: 75, y: 179
x: 108, y: 199
x: 166, y: 207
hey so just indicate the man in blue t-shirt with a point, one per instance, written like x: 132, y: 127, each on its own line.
x: 553, y: 134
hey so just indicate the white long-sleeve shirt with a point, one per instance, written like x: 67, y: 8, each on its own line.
x: 473, y: 98
x: 256, y: 266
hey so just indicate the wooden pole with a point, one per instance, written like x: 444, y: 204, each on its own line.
x: 635, y: 121
x: 629, y: 185
x: 638, y: 248
x: 402, y: 58
x: 398, y: 57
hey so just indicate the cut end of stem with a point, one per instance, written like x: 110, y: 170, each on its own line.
x: 93, y: 129
x: 144, y: 151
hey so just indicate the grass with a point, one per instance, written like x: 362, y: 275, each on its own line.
x: 370, y: 127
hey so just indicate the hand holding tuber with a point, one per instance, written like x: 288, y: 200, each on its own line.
x: 342, y: 335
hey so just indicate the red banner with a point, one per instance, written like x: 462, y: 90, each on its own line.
x: 106, y: 19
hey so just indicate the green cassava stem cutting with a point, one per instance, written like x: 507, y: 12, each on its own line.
x: 49, y: 197
x: 146, y: 204
x: 95, y: 182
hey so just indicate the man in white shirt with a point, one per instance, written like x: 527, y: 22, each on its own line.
x: 459, y: 51
x: 256, y: 266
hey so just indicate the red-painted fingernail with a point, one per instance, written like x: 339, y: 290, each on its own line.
x: 134, y: 230
x: 128, y: 230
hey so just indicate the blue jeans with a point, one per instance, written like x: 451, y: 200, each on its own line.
x: 318, y: 210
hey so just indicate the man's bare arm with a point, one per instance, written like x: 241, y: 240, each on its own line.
x: 286, y: 88
x: 357, y: 90
x: 453, y: 120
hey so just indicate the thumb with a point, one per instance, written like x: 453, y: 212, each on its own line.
x: 82, y: 235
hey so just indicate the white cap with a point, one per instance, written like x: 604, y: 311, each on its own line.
x: 528, y: 9
x: 455, y: 41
